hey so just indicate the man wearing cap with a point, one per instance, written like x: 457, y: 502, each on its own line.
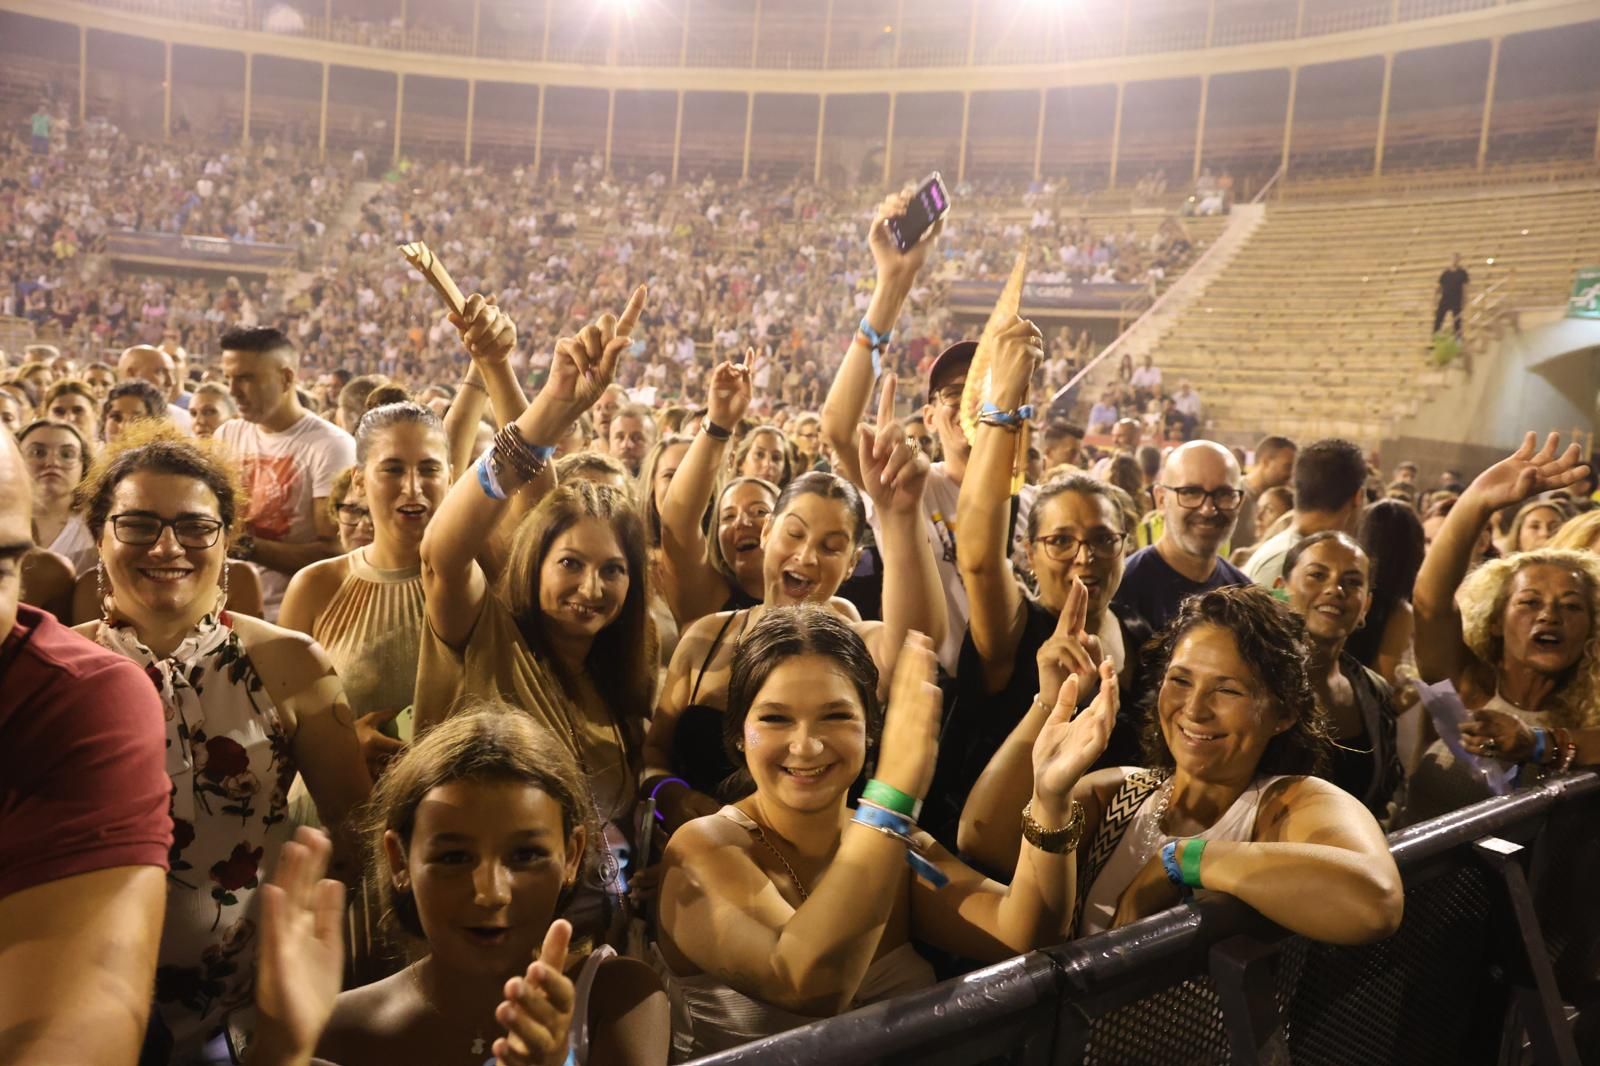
x: 852, y: 391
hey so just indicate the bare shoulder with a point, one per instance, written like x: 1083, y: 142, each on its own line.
x: 288, y: 661
x: 370, y: 1021
x: 845, y: 609
x: 322, y: 577
x: 703, y: 836
x: 621, y: 983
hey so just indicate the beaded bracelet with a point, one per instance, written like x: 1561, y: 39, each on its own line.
x: 527, y: 460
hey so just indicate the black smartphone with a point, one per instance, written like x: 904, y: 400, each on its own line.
x: 930, y: 203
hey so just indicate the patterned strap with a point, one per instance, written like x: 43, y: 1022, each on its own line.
x: 1113, y: 824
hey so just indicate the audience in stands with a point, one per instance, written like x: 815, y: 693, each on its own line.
x: 483, y: 597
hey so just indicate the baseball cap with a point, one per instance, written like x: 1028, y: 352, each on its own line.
x: 952, y: 363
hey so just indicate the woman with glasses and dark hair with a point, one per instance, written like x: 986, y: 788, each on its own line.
x: 348, y: 505
x: 1011, y: 663
x: 248, y: 706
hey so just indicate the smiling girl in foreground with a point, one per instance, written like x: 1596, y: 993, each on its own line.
x: 789, y: 905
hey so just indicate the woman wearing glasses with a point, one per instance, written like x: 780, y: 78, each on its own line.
x: 1019, y: 648
x: 350, y: 512
x: 57, y: 455
x: 249, y: 705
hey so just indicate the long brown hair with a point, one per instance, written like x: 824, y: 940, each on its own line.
x: 620, y: 662
x: 489, y: 741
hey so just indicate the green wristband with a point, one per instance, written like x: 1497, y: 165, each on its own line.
x: 891, y: 798
x: 1189, y: 853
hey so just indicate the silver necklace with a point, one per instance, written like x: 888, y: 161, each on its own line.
x: 1152, y: 829
x: 479, y: 1045
x: 761, y: 836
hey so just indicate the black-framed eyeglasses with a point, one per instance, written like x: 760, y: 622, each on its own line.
x: 352, y: 514
x: 1190, y: 497
x: 145, y: 529
x: 1063, y: 547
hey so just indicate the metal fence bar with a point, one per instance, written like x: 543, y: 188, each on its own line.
x: 1219, y: 958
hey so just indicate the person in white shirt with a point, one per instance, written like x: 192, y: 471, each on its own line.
x: 1146, y: 381
x: 288, y: 456
x: 1330, y: 479
x: 152, y: 365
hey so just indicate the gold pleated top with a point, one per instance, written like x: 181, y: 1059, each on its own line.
x: 372, y: 630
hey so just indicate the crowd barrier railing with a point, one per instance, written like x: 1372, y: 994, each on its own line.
x: 1497, y: 961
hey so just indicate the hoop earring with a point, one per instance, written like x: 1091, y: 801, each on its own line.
x: 101, y: 591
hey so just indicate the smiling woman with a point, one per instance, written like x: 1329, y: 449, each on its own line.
x: 248, y: 706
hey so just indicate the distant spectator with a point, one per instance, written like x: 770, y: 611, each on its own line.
x: 145, y: 363
x: 1452, y: 294
x: 126, y: 402
x: 1274, y: 464
x: 1103, y: 415
x: 1146, y: 381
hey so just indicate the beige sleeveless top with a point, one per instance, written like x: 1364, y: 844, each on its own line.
x: 372, y: 630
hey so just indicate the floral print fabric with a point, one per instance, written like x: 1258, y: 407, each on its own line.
x: 230, y: 765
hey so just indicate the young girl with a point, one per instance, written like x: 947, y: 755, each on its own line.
x: 787, y: 905
x: 477, y: 837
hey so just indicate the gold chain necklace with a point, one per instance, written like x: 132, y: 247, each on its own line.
x: 799, y: 884
x: 479, y: 1045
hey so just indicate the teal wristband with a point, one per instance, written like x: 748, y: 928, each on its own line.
x: 892, y: 799
x: 1189, y: 852
x: 1169, y: 860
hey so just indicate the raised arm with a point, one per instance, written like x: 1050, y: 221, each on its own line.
x: 1441, y: 652
x: 461, y: 421
x: 851, y: 390
x: 700, y: 589
x: 983, y: 512
x: 894, y: 474
x: 978, y: 918
x: 990, y: 831
x: 581, y: 368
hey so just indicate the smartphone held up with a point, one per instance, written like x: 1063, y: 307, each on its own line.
x: 928, y: 205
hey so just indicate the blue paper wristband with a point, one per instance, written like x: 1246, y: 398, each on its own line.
x: 901, y: 827
x: 992, y: 415
x: 487, y: 480
x: 878, y: 342
x: 1541, y: 743
x: 1169, y: 859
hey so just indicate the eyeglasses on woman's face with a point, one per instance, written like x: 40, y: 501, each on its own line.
x: 352, y: 514
x: 143, y: 529
x: 40, y: 452
x: 1063, y: 547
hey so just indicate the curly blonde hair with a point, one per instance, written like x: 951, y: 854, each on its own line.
x: 1482, y: 603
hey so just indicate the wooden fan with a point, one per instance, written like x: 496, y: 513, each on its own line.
x: 977, y: 391
x: 421, y: 256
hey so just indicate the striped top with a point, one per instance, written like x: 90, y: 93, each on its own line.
x: 372, y: 630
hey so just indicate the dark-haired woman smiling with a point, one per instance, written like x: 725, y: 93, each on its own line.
x: 1229, y: 802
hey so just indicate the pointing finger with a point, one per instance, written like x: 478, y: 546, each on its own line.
x: 631, y: 313
x: 886, y: 400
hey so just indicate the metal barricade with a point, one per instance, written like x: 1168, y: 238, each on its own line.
x: 1497, y: 961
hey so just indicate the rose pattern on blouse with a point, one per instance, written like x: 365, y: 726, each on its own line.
x: 231, y: 764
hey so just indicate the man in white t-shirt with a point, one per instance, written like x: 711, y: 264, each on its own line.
x: 289, y: 458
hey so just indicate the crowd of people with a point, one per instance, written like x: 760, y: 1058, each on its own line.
x: 493, y: 707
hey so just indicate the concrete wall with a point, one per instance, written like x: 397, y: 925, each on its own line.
x: 1543, y: 374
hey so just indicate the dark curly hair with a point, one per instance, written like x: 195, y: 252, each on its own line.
x: 1272, y: 641
x: 781, y: 634
x: 162, y: 448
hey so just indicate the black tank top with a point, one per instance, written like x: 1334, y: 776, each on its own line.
x: 698, y: 753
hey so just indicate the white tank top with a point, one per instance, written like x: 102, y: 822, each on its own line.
x: 1142, y: 839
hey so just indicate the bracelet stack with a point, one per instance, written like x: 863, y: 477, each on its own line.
x: 990, y: 415
x: 1181, y: 858
x: 1054, y: 841
x: 1555, y: 748
x: 512, y: 452
x: 889, y: 811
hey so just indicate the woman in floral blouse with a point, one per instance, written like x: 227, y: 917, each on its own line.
x: 248, y: 705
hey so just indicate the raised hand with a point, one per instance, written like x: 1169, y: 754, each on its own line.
x: 911, y: 724
x: 1497, y: 735
x: 728, y: 392
x: 487, y: 331
x: 1526, y: 472
x: 891, y: 261
x: 1018, y: 348
x: 584, y: 365
x: 300, y: 965
x: 893, y: 470
x: 537, y: 1010
x: 376, y: 746
x: 1070, y: 649
x: 1067, y: 746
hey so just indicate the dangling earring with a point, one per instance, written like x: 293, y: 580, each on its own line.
x: 103, y: 592
x: 223, y: 604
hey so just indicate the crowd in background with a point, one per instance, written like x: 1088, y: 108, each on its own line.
x: 696, y: 634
